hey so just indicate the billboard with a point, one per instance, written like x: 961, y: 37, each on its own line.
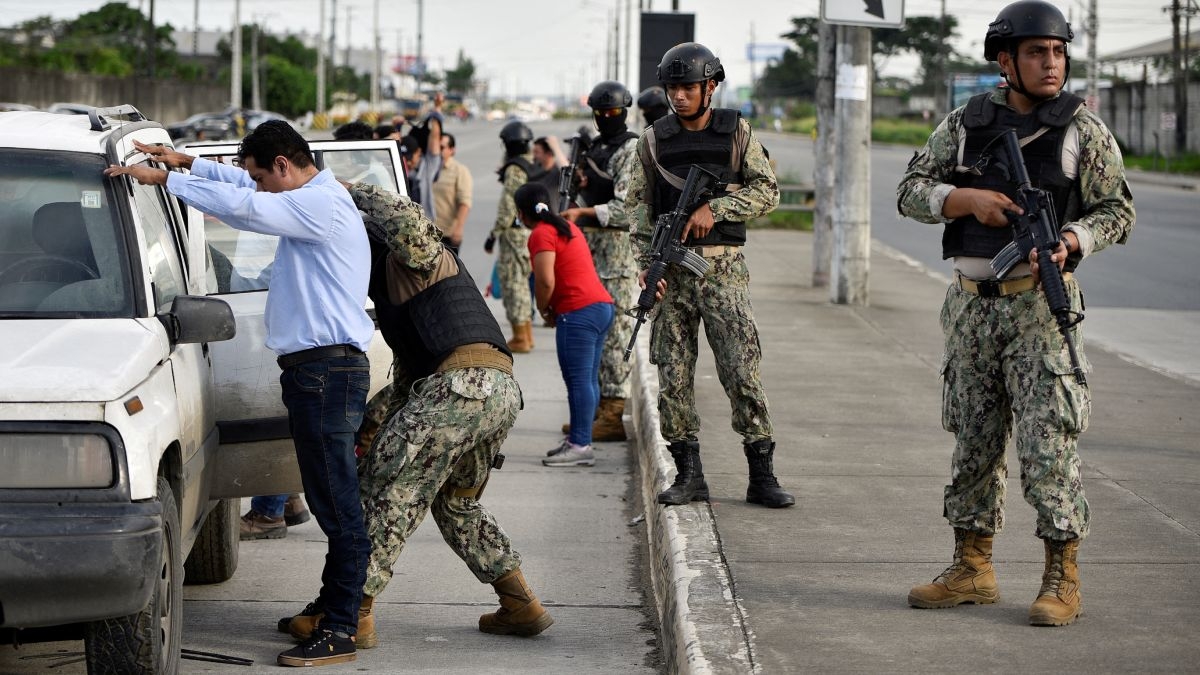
x: 659, y: 33
x: 965, y: 85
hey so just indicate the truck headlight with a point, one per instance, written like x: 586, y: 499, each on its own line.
x: 55, y: 461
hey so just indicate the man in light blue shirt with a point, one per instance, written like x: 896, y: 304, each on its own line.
x: 316, y: 324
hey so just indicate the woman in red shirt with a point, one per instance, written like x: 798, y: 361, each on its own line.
x: 571, y: 298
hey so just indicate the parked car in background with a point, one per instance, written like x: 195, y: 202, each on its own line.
x: 211, y: 126
x: 70, y: 108
x: 6, y: 106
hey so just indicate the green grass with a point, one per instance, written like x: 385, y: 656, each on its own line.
x: 900, y: 131
x: 784, y: 220
x: 1186, y: 164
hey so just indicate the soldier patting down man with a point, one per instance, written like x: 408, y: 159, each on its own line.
x: 720, y: 142
x: 1008, y: 369
x: 453, y: 401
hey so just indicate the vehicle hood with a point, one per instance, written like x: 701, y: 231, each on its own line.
x: 62, y: 360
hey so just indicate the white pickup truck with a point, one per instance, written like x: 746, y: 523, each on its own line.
x: 137, y: 399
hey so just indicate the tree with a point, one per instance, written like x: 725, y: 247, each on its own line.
x: 461, y: 79
x: 927, y: 37
x: 795, y: 75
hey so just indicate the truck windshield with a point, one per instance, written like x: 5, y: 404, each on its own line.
x: 62, y: 253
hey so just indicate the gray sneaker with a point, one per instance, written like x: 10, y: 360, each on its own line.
x: 569, y: 456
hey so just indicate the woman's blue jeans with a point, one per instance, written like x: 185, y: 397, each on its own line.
x: 325, y: 400
x: 579, y: 338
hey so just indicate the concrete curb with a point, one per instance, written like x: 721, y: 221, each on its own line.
x: 1163, y: 179
x: 702, y: 625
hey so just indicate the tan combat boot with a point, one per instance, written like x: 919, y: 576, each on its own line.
x: 303, y: 624
x: 520, y: 612
x: 1059, y: 602
x: 608, y: 425
x: 969, y: 579
x: 522, y: 339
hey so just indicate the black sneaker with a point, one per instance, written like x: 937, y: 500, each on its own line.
x: 324, y: 648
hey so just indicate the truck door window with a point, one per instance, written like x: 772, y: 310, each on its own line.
x: 163, y: 252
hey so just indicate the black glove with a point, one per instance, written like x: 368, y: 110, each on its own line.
x: 489, y: 244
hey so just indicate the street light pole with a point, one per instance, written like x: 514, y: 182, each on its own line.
x: 321, y: 59
x: 235, y: 66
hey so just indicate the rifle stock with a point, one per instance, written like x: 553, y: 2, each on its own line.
x: 666, y: 247
x: 1037, y: 228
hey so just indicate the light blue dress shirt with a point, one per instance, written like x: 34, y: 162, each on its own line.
x: 322, y: 266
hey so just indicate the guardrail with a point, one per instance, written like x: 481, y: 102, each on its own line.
x: 796, y: 197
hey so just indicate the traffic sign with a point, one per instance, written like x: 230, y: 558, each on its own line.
x: 869, y: 13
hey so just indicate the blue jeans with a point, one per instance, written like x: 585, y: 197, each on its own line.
x: 269, y: 505
x: 579, y: 337
x: 325, y: 401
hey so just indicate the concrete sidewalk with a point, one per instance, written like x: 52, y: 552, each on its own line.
x: 822, y: 586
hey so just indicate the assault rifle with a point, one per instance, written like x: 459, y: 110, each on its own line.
x: 666, y: 247
x: 580, y: 143
x: 1037, y: 228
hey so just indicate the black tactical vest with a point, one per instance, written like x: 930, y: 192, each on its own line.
x: 423, y: 331
x: 600, y: 185
x: 711, y: 148
x: 984, y: 121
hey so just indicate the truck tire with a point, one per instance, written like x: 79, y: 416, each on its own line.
x: 145, y: 643
x: 214, y: 556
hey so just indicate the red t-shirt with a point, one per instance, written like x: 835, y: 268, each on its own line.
x: 576, y: 284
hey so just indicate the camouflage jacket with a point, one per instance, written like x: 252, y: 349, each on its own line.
x: 1107, y: 214
x: 611, y: 249
x: 758, y: 196
x: 506, y: 211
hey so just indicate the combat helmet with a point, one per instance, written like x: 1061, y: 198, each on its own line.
x: 516, y: 131
x: 1024, y: 19
x: 608, y: 95
x: 689, y: 62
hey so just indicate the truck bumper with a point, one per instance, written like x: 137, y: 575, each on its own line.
x: 70, y: 562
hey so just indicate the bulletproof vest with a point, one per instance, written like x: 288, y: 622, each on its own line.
x: 600, y: 185
x: 519, y: 161
x: 711, y: 148
x: 423, y: 331
x: 984, y: 121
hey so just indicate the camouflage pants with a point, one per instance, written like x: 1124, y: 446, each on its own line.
x: 1006, y: 372
x: 515, y: 268
x: 444, y: 436
x: 614, y: 369
x: 722, y: 300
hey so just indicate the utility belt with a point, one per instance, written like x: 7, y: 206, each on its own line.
x: 994, y: 288
x: 714, y: 251
x: 316, y: 354
x: 477, y: 355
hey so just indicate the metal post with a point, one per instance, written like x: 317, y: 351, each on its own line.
x: 1093, y: 27
x: 420, y: 39
x: 823, y: 170
x: 375, y: 65
x: 320, y: 109
x: 852, y: 195
x: 255, y: 85
x: 1177, y: 67
x: 628, y: 55
x: 235, y: 66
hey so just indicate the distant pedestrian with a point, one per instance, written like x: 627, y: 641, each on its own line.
x: 720, y: 141
x: 452, y: 192
x: 1007, y: 369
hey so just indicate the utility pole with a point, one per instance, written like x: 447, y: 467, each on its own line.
x: 852, y: 196
x: 420, y: 39
x: 332, y: 39
x: 255, y: 91
x: 628, y: 55
x: 235, y: 66
x: 1177, y: 69
x: 1093, y: 28
x: 349, y: 23
x: 943, y: 90
x: 320, y: 110
x: 617, y: 41
x: 375, y: 65
x: 823, y: 172
x: 152, y: 42
x: 195, y: 27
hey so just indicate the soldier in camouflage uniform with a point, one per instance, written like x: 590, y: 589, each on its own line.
x: 513, y: 237
x: 720, y: 141
x: 1005, y: 361
x: 453, y: 402
x: 606, y: 169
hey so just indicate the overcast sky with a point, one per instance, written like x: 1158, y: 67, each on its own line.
x: 553, y: 47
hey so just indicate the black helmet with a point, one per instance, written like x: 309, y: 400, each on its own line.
x: 652, y: 97
x: 608, y: 95
x: 1025, y: 19
x: 516, y: 131
x: 689, y: 62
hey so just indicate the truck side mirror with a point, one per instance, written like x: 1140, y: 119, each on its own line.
x: 195, y: 319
